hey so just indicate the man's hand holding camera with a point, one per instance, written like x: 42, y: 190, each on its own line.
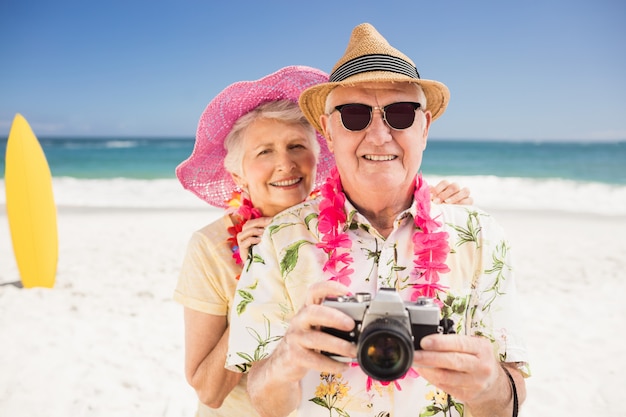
x: 300, y: 347
x: 464, y: 367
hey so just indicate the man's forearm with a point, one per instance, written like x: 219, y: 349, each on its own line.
x: 271, y: 393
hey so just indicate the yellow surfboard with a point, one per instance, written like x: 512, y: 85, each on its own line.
x: 30, y: 207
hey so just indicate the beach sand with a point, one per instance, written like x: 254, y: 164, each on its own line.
x: 108, y: 339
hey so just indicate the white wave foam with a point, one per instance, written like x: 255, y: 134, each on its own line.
x: 120, y: 192
x: 121, y: 144
x: 543, y: 194
x: 488, y: 192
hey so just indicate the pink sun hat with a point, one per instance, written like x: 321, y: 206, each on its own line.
x: 203, y: 173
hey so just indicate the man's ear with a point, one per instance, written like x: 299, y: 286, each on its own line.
x: 429, y: 118
x: 326, y: 131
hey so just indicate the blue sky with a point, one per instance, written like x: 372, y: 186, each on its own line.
x: 532, y: 70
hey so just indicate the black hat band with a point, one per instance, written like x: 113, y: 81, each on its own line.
x: 369, y: 63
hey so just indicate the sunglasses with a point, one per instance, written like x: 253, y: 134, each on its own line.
x: 398, y: 116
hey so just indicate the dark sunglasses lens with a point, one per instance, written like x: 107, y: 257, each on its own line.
x: 400, y: 115
x: 355, y: 116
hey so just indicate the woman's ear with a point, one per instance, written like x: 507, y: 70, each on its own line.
x: 239, y: 181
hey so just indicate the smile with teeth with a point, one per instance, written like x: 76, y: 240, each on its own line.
x: 379, y: 157
x: 286, y: 183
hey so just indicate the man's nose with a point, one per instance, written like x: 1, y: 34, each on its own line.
x: 378, y: 132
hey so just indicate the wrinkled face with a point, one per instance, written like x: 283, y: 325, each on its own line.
x: 278, y: 165
x: 377, y: 157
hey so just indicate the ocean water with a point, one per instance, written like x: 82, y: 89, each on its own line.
x: 572, y: 176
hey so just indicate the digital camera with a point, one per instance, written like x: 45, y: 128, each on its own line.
x: 387, y: 330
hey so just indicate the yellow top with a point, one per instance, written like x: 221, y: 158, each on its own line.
x: 207, y: 283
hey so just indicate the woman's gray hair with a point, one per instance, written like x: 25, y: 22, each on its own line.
x: 285, y: 111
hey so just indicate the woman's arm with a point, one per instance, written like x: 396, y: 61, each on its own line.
x: 206, y: 343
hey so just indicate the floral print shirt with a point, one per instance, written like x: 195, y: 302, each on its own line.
x: 480, y: 298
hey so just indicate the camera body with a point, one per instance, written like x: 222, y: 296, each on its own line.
x: 387, y: 330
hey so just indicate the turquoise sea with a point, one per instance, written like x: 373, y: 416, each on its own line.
x: 145, y: 158
x: 139, y: 172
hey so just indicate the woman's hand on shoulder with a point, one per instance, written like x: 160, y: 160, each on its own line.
x: 251, y: 234
x: 450, y: 193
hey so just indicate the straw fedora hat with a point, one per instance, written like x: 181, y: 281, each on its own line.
x: 370, y: 58
x: 203, y: 173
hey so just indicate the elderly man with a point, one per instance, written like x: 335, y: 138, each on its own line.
x: 372, y: 250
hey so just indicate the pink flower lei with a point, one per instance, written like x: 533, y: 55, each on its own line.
x: 430, y: 245
x: 242, y: 211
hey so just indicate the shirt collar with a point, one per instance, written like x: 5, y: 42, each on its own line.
x: 356, y: 220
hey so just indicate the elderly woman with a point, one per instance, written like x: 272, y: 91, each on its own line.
x: 255, y: 148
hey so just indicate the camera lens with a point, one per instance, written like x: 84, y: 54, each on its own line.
x: 385, y: 349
